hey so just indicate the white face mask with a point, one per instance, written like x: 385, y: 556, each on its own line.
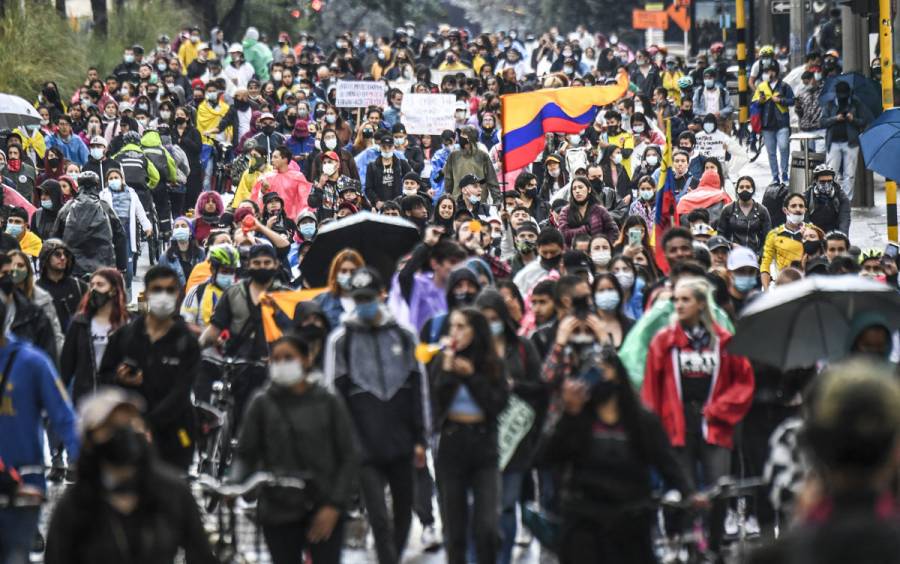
x: 638, y: 128
x: 287, y: 373
x: 625, y: 278
x: 165, y: 115
x: 601, y: 258
x: 161, y: 304
x: 617, y: 158
x: 330, y: 143
x: 553, y: 172
x: 652, y: 160
x: 709, y: 127
x: 794, y: 218
x: 329, y: 168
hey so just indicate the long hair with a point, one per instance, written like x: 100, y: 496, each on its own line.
x: 631, y: 410
x: 574, y: 207
x: 701, y: 290
x: 481, y: 350
x: 620, y: 315
x: 345, y: 255
x: 119, y: 314
x: 28, y: 283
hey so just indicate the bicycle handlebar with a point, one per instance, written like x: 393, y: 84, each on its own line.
x: 255, y: 481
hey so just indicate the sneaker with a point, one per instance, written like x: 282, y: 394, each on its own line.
x: 431, y: 540
x: 71, y: 475
x: 751, y: 526
x: 524, y: 537
x: 56, y: 474
x: 731, y: 523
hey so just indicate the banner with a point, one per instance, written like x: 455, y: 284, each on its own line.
x: 359, y: 94
x: 428, y: 114
x: 512, y: 426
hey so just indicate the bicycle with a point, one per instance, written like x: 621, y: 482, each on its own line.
x: 224, y: 539
x: 217, y: 417
x: 221, y: 171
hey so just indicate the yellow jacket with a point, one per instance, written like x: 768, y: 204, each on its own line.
x: 187, y: 52
x: 624, y: 141
x: 208, y: 118
x: 245, y: 186
x: 783, y: 247
x: 30, y: 244
x: 670, y: 83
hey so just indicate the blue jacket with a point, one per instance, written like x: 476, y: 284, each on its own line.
x: 331, y: 307
x: 634, y: 308
x: 774, y: 119
x: 438, y: 160
x: 74, y: 149
x: 33, y: 386
x: 367, y: 156
x: 170, y: 259
x: 861, y: 118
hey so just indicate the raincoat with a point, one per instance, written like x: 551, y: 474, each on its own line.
x: 291, y: 185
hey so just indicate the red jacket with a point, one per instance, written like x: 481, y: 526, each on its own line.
x: 732, y: 387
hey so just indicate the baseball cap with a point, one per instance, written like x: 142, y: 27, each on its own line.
x: 307, y: 214
x: 365, y: 284
x: 577, y: 261
x: 552, y: 158
x: 741, y: 257
x: 718, y: 242
x: 701, y: 229
x: 98, y: 140
x: 265, y: 115
x: 96, y: 409
x: 467, y: 180
x: 330, y: 155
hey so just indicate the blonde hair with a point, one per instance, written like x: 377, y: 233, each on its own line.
x: 701, y: 290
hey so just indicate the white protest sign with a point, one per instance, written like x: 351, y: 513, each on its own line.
x: 359, y: 93
x: 428, y: 114
x: 512, y: 426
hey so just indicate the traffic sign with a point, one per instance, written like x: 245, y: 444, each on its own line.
x: 680, y: 16
x: 780, y: 7
x: 645, y: 19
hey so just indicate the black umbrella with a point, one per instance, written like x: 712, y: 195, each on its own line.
x: 866, y: 90
x: 381, y: 240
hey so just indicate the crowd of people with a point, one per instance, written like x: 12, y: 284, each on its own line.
x: 546, y: 295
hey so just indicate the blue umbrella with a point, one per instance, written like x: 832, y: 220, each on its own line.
x: 880, y: 144
x: 866, y: 90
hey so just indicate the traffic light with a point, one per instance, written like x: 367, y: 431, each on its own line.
x: 862, y: 8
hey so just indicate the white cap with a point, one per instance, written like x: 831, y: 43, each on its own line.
x: 236, y: 48
x: 98, y: 140
x: 739, y: 257
x: 97, y: 408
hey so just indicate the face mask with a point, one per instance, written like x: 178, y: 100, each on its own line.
x: 387, y: 154
x: 708, y: 82
x: 212, y: 96
x: 474, y: 199
x: 330, y: 118
x: 53, y: 162
x: 709, y: 127
x: 47, y: 204
x: 744, y: 283
x: 115, y: 184
x: 329, y: 168
x: 165, y: 115
x: 97, y: 154
x: 268, y: 129
x: 794, y: 218
x: 225, y: 281
x: 128, y: 58
x: 410, y: 192
x: 464, y: 298
x: 601, y: 258
x: 617, y: 158
x: 625, y: 278
x: 287, y: 373
x: 575, y: 139
x: 647, y: 195
x: 330, y: 143
x: 568, y: 70
x: 550, y: 263
x: 554, y: 173
x: 812, y: 247
x: 307, y: 230
x: 262, y: 275
x: 98, y: 299
x: 181, y: 233
x: 18, y: 275
x: 497, y: 328
x: 161, y: 304
x: 125, y: 448
x: 818, y: 76
x: 607, y: 300
x: 14, y: 230
x: 745, y: 195
x: 367, y: 311
x: 343, y: 280
x: 368, y: 134
x: 652, y: 160
x: 399, y: 140
x: 525, y: 247
x: 180, y: 120
x: 638, y: 128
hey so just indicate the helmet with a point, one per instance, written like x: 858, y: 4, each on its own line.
x: 224, y: 255
x: 822, y: 169
x: 685, y: 82
x: 869, y: 254
x: 131, y: 138
x: 766, y: 51
x: 87, y: 180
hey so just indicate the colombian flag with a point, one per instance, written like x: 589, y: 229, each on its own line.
x: 664, y: 216
x: 528, y: 116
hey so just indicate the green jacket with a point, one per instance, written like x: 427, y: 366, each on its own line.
x: 259, y: 56
x: 152, y: 172
x: 151, y: 140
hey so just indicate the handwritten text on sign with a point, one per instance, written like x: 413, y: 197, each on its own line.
x: 359, y: 93
x: 428, y: 114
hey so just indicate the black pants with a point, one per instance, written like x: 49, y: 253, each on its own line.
x: 390, y: 537
x: 467, y: 465
x: 626, y: 541
x: 287, y: 542
x: 757, y: 428
x: 424, y: 491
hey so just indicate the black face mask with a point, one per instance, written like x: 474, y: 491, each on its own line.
x: 268, y: 129
x: 98, y: 299
x: 530, y: 193
x: 745, y: 196
x: 180, y: 120
x: 53, y: 162
x: 242, y: 104
x: 812, y: 247
x: 368, y: 134
x: 463, y: 142
x: 464, y: 298
x: 550, y: 263
x: 262, y: 275
x: 597, y: 185
x: 125, y: 448
x: 603, y: 390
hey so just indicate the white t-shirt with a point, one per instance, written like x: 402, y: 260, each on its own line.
x: 100, y: 330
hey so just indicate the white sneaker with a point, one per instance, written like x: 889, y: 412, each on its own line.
x: 523, y: 536
x: 751, y: 527
x: 431, y: 540
x: 731, y: 523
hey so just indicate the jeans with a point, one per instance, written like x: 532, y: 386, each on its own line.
x: 467, y: 465
x: 511, y: 494
x: 778, y: 143
x: 17, y: 529
x: 207, y: 161
x: 842, y: 158
x: 390, y: 538
x: 287, y: 542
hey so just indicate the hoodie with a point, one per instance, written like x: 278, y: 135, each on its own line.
x: 204, y: 222
x: 68, y: 291
x: 437, y: 326
x: 708, y: 195
x: 471, y: 160
x: 43, y: 219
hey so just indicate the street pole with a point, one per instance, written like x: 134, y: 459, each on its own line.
x: 798, y: 32
x: 740, y: 24
x: 855, y: 51
x: 886, y: 36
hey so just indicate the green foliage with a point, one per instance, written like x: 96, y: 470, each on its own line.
x: 40, y: 46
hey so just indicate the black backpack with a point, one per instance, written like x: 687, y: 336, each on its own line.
x: 134, y: 168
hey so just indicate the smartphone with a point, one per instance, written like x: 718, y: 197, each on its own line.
x: 634, y: 236
x: 891, y: 250
x: 132, y: 365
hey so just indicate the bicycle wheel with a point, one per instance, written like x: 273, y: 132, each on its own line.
x: 218, y: 445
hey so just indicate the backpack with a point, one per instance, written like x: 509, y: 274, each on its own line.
x: 158, y: 156
x: 89, y: 234
x: 134, y: 168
